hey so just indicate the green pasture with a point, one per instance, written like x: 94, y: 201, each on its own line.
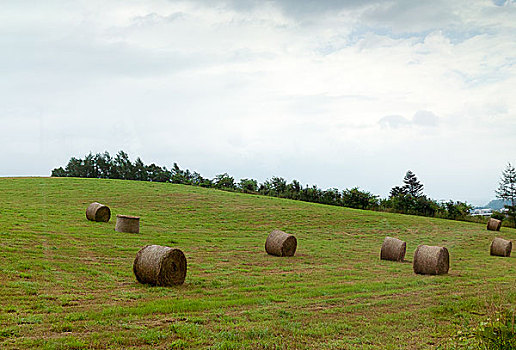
x: 67, y: 283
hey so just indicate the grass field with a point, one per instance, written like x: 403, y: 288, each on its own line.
x: 67, y: 283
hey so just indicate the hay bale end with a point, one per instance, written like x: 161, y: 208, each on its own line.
x: 494, y: 224
x: 160, y: 266
x: 431, y: 260
x: 98, y: 212
x: 280, y: 243
x: 501, y: 247
x: 128, y: 224
x: 393, y: 249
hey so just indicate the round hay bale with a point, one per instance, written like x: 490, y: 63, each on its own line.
x: 393, y: 249
x: 501, y: 247
x: 280, y: 243
x: 98, y: 212
x: 494, y: 224
x: 126, y: 223
x: 160, y: 266
x: 431, y: 260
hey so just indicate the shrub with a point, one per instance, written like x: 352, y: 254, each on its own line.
x: 497, y: 332
x: 498, y: 215
x: 454, y: 210
x: 248, y: 185
x: 224, y: 181
x: 355, y: 198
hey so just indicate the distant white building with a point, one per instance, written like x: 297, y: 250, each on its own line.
x: 486, y: 212
x: 481, y: 212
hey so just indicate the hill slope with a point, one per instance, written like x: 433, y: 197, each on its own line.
x: 68, y: 282
x: 497, y: 204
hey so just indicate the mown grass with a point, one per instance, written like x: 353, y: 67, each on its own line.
x: 67, y: 283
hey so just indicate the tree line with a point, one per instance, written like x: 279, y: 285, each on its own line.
x: 407, y: 198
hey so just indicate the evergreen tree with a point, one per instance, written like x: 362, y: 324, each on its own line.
x: 455, y: 210
x: 89, y: 166
x: 123, y: 167
x: 248, y: 185
x: 140, y: 171
x: 507, y: 190
x: 156, y: 173
x: 104, y: 165
x: 409, y: 198
x: 355, y: 198
x: 74, y: 168
x: 412, y: 185
x: 198, y: 180
x: 188, y: 177
x: 311, y: 194
x: 331, y: 196
x: 397, y: 191
x: 265, y: 188
x: 294, y: 190
x: 58, y: 172
x: 178, y: 176
x: 224, y: 181
x: 279, y: 186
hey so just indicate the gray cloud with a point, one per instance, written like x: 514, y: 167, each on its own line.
x: 394, y: 121
x: 67, y: 57
x: 308, y: 8
x: 411, y: 16
x: 154, y: 18
x: 421, y: 119
x: 402, y: 16
x: 296, y: 8
x: 425, y: 119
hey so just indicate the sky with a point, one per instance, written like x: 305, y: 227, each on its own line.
x: 335, y: 93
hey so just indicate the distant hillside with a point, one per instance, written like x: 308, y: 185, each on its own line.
x: 496, y: 204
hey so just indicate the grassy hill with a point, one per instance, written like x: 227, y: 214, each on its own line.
x: 67, y: 283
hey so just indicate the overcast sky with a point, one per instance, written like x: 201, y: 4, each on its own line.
x: 334, y: 93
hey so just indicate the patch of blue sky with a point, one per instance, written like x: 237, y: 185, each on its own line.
x: 362, y: 32
x: 503, y: 2
x: 489, y: 77
x: 458, y: 36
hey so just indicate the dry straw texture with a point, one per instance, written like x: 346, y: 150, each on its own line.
x: 494, y: 224
x: 501, y: 247
x: 280, y: 243
x: 126, y: 223
x: 431, y: 260
x: 393, y: 249
x: 160, y: 266
x: 98, y: 212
